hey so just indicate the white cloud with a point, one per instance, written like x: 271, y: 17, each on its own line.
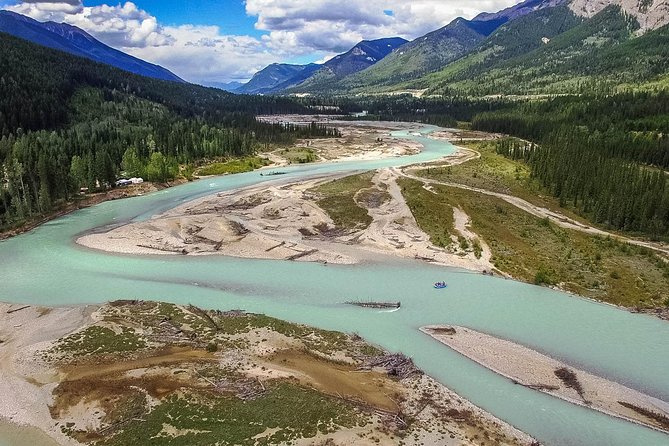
x: 328, y: 25
x: 291, y: 28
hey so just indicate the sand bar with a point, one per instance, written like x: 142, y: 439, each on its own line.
x: 535, y: 370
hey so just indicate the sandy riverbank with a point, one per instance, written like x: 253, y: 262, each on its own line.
x: 282, y: 221
x: 535, y: 370
x: 48, y: 384
x: 26, y: 382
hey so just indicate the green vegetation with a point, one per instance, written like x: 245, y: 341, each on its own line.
x: 497, y: 173
x: 99, y: 341
x: 415, y: 59
x: 197, y: 395
x: 581, y: 55
x: 285, y: 413
x: 67, y: 123
x: 246, y: 164
x: 216, y: 327
x: 594, y: 153
x: 433, y: 214
x: 537, y: 251
x: 299, y: 155
x: 338, y: 199
x: 512, y: 40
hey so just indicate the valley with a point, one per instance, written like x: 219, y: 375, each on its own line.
x: 389, y: 223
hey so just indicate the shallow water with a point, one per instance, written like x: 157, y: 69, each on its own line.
x: 46, y: 267
x: 13, y: 435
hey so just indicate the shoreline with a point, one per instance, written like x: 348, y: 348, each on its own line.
x: 537, y: 371
x: 282, y: 221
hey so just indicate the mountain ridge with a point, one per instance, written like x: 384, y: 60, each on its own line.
x: 73, y: 40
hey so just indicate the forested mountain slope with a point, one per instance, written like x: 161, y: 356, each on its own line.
x: 606, y: 155
x: 67, y: 122
x: 438, y: 48
x: 362, y: 56
x: 64, y: 37
x: 270, y: 77
x: 601, y: 52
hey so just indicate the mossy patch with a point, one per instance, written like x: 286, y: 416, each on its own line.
x: 100, y: 340
x: 286, y: 412
x: 338, y: 199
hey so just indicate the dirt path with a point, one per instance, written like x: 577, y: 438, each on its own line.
x: 395, y: 230
x: 541, y: 212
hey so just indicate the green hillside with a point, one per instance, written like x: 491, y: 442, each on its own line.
x: 67, y: 122
x: 417, y: 58
x: 511, y: 40
x: 600, y: 52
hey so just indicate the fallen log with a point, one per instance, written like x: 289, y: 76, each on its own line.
x: 379, y: 305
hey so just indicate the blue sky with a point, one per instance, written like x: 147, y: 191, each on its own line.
x: 211, y: 41
x: 230, y: 15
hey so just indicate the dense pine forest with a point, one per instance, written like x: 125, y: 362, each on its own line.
x: 67, y: 123
x: 607, y: 156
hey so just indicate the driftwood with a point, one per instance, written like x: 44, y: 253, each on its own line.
x: 16, y: 310
x: 394, y: 364
x: 302, y: 254
x: 203, y: 314
x: 277, y: 246
x: 244, y: 389
x: 569, y: 378
x: 661, y: 419
x: 164, y: 248
x: 375, y: 304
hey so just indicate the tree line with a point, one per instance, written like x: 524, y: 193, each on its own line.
x: 68, y: 123
x: 606, y: 156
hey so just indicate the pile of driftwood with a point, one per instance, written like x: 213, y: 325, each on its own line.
x: 395, y: 364
x: 244, y: 389
x: 369, y: 304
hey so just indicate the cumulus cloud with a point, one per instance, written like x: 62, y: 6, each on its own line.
x: 327, y: 25
x: 291, y: 28
x: 120, y: 26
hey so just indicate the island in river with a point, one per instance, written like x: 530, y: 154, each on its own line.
x: 133, y: 372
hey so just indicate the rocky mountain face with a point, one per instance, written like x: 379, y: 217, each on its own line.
x: 651, y: 14
x: 363, y: 55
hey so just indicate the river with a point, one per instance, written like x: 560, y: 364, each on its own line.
x: 45, y: 267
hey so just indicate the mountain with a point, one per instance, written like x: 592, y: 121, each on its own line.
x: 651, y: 14
x: 300, y: 77
x: 75, y: 41
x: 438, y: 48
x: 278, y: 78
x: 360, y: 57
x: 363, y: 55
x: 513, y: 39
x: 225, y: 86
x: 267, y: 79
x: 532, y: 56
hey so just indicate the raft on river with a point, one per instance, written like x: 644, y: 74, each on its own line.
x: 375, y: 304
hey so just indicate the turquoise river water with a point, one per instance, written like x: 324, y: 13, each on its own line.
x: 46, y: 267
